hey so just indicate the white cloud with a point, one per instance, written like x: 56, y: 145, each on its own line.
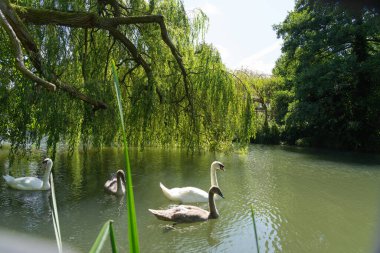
x: 210, y: 9
x: 260, y: 61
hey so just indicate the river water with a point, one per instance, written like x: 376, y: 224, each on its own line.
x: 305, y: 200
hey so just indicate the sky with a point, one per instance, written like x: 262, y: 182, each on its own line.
x: 242, y: 30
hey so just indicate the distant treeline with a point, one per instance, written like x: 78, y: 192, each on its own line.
x: 328, y: 92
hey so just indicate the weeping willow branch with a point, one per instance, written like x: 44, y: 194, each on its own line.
x: 19, y: 56
x: 113, y: 3
x: 22, y: 35
x: 133, y: 50
x: 92, y: 20
x: 178, y: 57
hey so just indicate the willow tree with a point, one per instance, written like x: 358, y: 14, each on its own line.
x: 262, y: 96
x: 56, y: 78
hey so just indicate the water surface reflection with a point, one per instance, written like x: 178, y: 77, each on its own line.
x: 305, y: 200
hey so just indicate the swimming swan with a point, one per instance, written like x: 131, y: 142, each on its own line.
x: 186, y: 213
x: 31, y: 183
x: 192, y: 194
x: 116, y: 185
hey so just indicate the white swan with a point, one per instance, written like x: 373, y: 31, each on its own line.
x: 31, y: 183
x: 185, y: 213
x: 192, y: 194
x: 116, y: 185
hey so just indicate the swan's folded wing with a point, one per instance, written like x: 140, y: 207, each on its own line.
x: 190, y: 214
x: 192, y: 194
x: 27, y: 183
x: 162, y: 214
x: 109, y: 184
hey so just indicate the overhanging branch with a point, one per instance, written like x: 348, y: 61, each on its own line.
x: 19, y: 55
x: 91, y: 20
x: 23, y: 36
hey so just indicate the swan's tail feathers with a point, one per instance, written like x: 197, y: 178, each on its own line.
x: 153, y: 211
x: 166, y: 191
x: 163, y: 186
x: 9, y: 179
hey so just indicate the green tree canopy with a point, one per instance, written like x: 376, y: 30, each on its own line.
x: 264, y: 107
x: 56, y: 77
x: 330, y: 67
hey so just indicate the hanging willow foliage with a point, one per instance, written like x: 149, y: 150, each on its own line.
x: 177, y: 90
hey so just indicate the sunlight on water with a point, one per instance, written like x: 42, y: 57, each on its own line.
x: 305, y: 200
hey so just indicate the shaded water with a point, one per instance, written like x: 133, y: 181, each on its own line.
x: 305, y: 200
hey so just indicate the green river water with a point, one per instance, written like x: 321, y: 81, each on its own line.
x: 306, y: 200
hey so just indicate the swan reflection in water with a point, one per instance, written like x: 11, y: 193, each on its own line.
x: 32, y: 207
x: 29, y: 198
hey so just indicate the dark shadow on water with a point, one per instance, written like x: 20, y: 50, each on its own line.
x: 348, y: 157
x: 169, y: 228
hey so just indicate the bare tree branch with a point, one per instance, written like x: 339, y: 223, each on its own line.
x: 19, y: 55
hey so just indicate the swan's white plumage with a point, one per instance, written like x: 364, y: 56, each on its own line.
x: 192, y: 194
x: 31, y: 183
x: 185, y: 194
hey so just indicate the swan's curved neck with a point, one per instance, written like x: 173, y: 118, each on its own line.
x: 119, y: 184
x: 211, y: 202
x: 46, y: 176
x: 214, y: 180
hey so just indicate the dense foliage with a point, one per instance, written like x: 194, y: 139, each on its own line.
x: 324, y: 90
x: 196, y: 107
x: 262, y: 92
x: 330, y: 76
